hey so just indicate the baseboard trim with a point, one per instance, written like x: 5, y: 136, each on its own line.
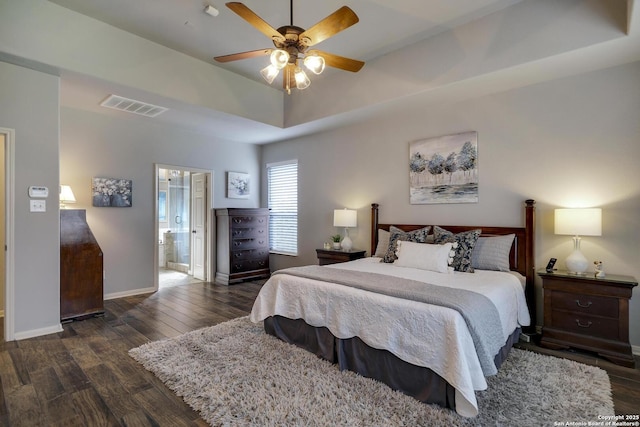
x: 131, y: 293
x: 38, y: 332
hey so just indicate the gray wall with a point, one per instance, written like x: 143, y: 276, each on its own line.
x: 97, y: 145
x: 566, y: 142
x: 29, y: 105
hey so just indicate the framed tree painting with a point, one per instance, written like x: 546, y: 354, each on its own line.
x: 444, y: 169
x: 238, y: 185
x: 112, y: 192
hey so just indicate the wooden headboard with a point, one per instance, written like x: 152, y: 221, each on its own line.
x: 521, y: 257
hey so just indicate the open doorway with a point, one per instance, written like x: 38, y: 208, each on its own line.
x: 182, y: 218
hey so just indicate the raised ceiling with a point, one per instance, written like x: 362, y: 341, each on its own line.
x: 417, y: 52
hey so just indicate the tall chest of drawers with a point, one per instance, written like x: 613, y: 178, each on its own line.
x: 588, y: 313
x: 242, y: 244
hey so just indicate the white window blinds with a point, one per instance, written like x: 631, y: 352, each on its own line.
x: 282, y: 185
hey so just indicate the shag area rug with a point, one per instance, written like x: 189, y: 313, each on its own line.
x: 235, y: 374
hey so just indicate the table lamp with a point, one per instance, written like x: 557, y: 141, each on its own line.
x: 66, y: 196
x: 578, y: 222
x: 345, y: 218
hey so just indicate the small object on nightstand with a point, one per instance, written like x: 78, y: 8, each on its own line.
x: 599, y: 271
x: 332, y: 256
x: 327, y: 246
x: 550, y: 265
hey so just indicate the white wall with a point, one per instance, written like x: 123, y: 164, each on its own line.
x: 29, y: 104
x: 96, y: 145
x: 570, y: 141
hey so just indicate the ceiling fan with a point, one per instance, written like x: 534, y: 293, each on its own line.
x: 292, y: 44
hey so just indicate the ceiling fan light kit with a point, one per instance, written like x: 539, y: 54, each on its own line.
x: 291, y: 44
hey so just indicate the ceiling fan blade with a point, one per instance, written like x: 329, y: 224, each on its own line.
x: 339, y: 20
x: 338, y: 61
x: 248, y: 15
x: 243, y: 55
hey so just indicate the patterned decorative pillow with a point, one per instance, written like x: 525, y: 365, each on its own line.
x: 418, y: 236
x: 466, y: 242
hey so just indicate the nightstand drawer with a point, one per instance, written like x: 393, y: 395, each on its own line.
x: 589, y: 325
x: 588, y: 304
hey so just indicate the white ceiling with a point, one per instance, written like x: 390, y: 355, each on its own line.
x: 385, y: 27
x: 182, y: 25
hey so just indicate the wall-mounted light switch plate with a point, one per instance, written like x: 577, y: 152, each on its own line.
x: 37, y: 205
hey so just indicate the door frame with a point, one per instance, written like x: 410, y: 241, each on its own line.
x: 9, y: 225
x: 209, y: 219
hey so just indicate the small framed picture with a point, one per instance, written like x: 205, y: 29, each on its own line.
x: 238, y: 185
x: 112, y: 192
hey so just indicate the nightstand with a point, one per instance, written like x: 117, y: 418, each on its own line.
x: 334, y: 256
x: 589, y: 313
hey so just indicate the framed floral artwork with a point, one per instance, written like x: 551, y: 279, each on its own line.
x: 112, y: 193
x: 444, y: 169
x: 238, y: 185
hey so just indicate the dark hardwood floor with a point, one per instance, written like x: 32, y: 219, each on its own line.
x: 83, y: 376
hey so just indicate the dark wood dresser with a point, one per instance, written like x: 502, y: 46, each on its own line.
x: 243, y: 244
x: 81, y: 268
x: 334, y: 256
x: 589, y: 313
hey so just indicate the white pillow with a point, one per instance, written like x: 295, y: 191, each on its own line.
x: 425, y: 256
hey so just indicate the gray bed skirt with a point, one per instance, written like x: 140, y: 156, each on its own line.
x: 354, y: 355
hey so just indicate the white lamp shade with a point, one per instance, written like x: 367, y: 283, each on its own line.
x: 66, y: 194
x: 345, y: 218
x: 578, y: 222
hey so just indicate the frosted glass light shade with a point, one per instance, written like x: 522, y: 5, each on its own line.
x: 269, y: 73
x: 302, y: 81
x: 279, y: 58
x: 345, y: 218
x: 66, y: 196
x: 578, y: 222
x: 314, y: 63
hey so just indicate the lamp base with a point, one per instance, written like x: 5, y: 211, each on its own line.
x: 346, y: 243
x: 576, y: 262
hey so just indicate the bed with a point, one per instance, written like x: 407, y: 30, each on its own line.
x: 430, y: 332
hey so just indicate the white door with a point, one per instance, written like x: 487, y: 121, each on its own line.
x: 199, y: 225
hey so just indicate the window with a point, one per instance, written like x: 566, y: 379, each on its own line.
x: 282, y: 187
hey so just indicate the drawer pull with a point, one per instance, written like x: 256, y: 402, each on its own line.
x: 589, y: 323
x: 583, y: 306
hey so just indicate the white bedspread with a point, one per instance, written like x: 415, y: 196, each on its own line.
x: 422, y: 334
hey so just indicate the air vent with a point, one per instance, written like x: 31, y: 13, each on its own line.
x: 132, y: 106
